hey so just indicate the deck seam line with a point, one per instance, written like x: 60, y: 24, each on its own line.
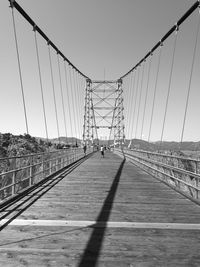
x: 83, y: 223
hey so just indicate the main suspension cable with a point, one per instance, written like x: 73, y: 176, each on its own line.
x: 179, y: 22
x: 14, y: 4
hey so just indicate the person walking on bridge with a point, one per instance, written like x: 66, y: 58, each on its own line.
x: 102, y: 151
x: 84, y: 149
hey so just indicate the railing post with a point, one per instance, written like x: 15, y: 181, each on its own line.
x: 31, y: 172
x: 13, y: 183
x: 43, y: 172
x: 50, y: 165
x: 56, y: 162
x: 197, y: 185
x: 196, y: 180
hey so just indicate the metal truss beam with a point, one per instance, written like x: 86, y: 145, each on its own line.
x: 106, y: 81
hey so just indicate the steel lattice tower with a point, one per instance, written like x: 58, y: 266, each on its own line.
x: 104, y: 112
x: 118, y: 117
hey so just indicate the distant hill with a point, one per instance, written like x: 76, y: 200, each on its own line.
x: 166, y: 145
x: 190, y: 146
x: 66, y: 140
x: 141, y: 144
x: 14, y: 145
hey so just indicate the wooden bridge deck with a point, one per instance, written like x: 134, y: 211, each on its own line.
x: 106, y: 212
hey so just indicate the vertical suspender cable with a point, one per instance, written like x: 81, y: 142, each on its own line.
x: 41, y: 85
x: 76, y: 103
x: 169, y: 85
x: 145, y: 101
x: 79, y: 97
x: 68, y: 102
x: 112, y: 123
x: 130, y: 98
x: 72, y: 100
x: 82, y: 84
x: 127, y: 91
x: 80, y: 103
x: 126, y: 81
x: 61, y: 90
x: 136, y: 94
x: 54, y: 95
x: 19, y: 67
x: 138, y: 114
x: 190, y: 80
x: 129, y: 85
x: 155, y: 90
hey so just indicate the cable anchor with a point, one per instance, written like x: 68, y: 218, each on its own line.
x: 11, y: 3
x: 34, y: 27
x: 177, y: 28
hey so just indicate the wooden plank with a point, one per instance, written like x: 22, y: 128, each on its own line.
x: 145, y: 222
x: 139, y: 247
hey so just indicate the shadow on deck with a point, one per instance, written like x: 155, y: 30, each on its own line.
x: 93, y: 248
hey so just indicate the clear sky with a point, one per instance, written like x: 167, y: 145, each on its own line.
x: 96, y: 35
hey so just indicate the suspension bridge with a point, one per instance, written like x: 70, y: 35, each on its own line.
x: 136, y: 206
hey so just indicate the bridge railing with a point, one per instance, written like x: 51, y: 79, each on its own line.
x: 181, y: 173
x: 21, y: 172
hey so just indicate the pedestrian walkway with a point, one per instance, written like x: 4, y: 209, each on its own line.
x: 107, y: 212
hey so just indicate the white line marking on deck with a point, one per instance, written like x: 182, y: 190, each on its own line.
x: 130, y: 225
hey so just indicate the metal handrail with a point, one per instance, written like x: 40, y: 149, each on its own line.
x: 180, y: 170
x: 182, y: 180
x: 166, y: 155
x: 36, y: 169
x: 37, y: 154
x: 170, y: 176
x: 185, y: 161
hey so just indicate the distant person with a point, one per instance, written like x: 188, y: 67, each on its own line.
x: 84, y: 149
x: 102, y: 151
